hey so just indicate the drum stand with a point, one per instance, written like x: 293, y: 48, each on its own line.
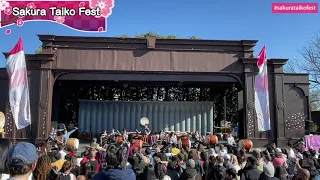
x: 2, y: 133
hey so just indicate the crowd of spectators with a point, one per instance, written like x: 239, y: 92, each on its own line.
x: 127, y: 161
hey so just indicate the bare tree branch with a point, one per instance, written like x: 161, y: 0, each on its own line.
x: 311, y: 61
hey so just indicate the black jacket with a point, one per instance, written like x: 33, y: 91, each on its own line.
x: 188, y: 174
x: 263, y: 176
x: 250, y: 173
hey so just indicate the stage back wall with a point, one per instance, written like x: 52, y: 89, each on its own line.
x: 95, y: 116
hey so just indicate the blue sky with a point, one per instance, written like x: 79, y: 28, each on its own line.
x: 284, y: 34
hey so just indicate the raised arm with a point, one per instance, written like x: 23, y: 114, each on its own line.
x: 72, y: 131
x: 128, y: 151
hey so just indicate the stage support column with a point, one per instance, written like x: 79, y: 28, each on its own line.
x: 248, y: 98
x: 279, y: 117
x: 41, y: 88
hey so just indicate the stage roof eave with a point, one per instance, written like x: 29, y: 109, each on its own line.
x: 149, y: 77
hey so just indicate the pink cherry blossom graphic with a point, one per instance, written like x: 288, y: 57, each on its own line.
x: 59, y: 19
x: 82, y: 4
x: 105, y: 6
x: 8, y: 10
x: 3, y: 5
x: 20, y: 22
x: 8, y: 31
x: 31, y: 5
x: 100, y: 29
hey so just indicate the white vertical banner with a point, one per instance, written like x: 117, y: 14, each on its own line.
x: 261, y: 92
x: 18, y: 86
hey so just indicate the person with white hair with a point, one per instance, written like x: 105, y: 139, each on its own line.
x: 212, y: 152
x: 222, y: 151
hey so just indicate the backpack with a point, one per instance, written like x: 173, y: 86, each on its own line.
x: 63, y: 176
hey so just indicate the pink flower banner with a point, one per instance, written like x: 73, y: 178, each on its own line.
x: 261, y: 93
x: 312, y: 142
x: 83, y: 15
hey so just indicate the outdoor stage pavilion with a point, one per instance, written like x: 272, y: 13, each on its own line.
x: 68, y: 67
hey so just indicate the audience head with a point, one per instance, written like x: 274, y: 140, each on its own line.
x: 93, y: 152
x: 234, y: 160
x: 22, y: 159
x: 191, y: 163
x: 204, y: 156
x: 171, y: 165
x: 5, y: 145
x: 252, y: 161
x: 278, y: 152
x: 57, y: 156
x: 301, y: 145
x: 200, y: 148
x: 149, y: 173
x: 231, y: 174
x: 303, y: 174
x: 43, y: 168
x: 193, y: 155
x: 220, y: 160
x: 227, y: 158
x: 148, y: 151
x: 66, y: 166
x: 60, y: 147
x: 114, y: 158
x: 221, y: 146
x: 159, y: 170
x: 180, y: 157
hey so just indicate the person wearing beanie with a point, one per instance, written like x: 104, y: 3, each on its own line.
x: 190, y: 172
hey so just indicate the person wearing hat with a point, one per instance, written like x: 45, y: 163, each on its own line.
x: 278, y: 160
x: 22, y: 160
x: 190, y: 172
x: 302, y: 146
x: 268, y: 168
x: 227, y: 164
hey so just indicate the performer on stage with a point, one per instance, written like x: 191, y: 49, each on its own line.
x: 173, y: 138
x: 52, y: 134
x: 235, y: 132
x: 112, y: 135
x: 103, y: 136
x: 146, y: 130
x: 67, y: 134
x: 230, y: 142
x: 125, y: 134
x: 197, y: 136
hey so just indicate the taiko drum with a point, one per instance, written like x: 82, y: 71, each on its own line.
x: 139, y: 143
x: 245, y: 144
x: 59, y: 138
x: 212, y: 139
x: 119, y: 139
x: 185, y: 142
x: 72, y: 143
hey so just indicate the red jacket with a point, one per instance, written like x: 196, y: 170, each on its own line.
x: 86, y: 159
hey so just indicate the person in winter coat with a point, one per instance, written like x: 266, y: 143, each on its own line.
x: 250, y: 172
x: 116, y: 166
x: 190, y: 172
